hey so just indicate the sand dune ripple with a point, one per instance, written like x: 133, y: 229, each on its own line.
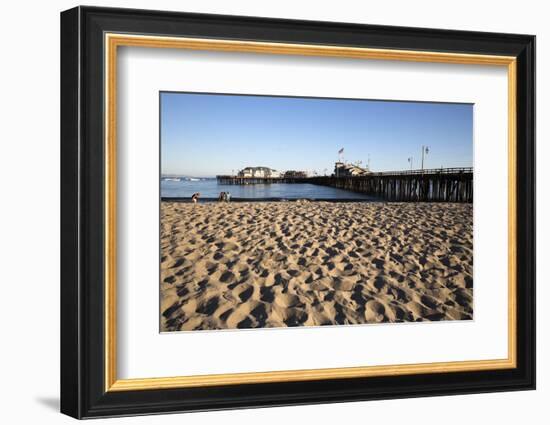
x: 250, y: 265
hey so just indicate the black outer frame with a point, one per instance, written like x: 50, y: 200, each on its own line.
x: 82, y: 218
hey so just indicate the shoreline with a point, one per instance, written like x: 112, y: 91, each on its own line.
x: 273, y: 199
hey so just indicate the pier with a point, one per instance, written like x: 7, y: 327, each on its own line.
x: 432, y: 185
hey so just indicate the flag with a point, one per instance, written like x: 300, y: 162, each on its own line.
x: 341, y: 151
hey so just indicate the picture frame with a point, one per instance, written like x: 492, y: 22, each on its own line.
x: 90, y: 39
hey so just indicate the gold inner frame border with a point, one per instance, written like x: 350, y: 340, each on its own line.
x: 112, y: 41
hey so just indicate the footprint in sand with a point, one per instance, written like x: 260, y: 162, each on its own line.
x: 266, y: 294
x: 211, y: 267
x: 246, y: 294
x: 374, y: 312
x: 296, y: 317
x: 208, y: 307
x: 227, y: 246
x: 227, y: 277
x: 169, y: 279
x: 287, y: 300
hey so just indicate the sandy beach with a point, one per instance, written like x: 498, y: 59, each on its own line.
x: 279, y: 264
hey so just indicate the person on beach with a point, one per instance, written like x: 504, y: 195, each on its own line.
x: 224, y: 197
x: 195, y: 197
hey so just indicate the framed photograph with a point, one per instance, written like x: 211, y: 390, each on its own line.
x: 261, y: 212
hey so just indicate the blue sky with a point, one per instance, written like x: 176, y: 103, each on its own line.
x: 205, y: 135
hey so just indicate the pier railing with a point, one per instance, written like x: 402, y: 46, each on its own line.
x: 431, y: 185
x: 426, y: 171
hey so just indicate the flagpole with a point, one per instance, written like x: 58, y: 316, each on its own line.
x: 340, y: 159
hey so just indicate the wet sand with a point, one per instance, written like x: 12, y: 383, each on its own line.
x: 279, y: 264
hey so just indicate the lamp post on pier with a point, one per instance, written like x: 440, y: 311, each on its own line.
x: 425, y: 150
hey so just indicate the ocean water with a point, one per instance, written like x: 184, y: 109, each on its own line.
x: 210, y: 189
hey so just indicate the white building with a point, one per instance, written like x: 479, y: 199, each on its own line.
x: 259, y: 172
x: 347, y: 170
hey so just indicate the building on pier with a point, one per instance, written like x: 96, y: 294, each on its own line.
x: 293, y: 174
x: 259, y: 172
x: 342, y: 169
